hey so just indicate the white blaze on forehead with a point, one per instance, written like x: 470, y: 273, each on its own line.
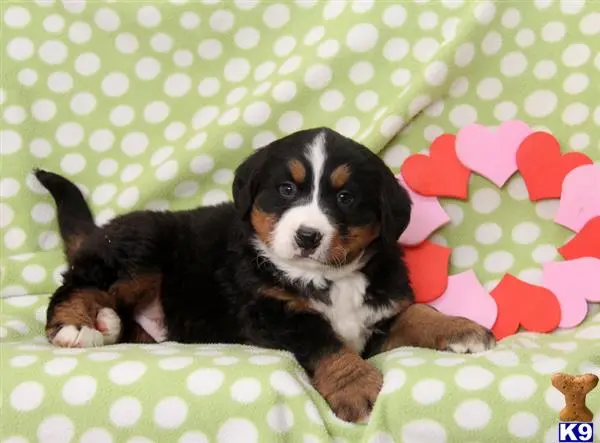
x: 308, y: 214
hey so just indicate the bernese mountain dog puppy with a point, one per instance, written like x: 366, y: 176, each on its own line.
x: 305, y: 259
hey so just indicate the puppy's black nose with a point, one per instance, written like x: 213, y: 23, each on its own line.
x: 308, y: 238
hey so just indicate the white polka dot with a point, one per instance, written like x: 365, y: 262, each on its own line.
x: 8, y: 187
x: 22, y: 361
x: 318, y: 76
x: 489, y: 88
x: 472, y: 414
x: 579, y: 141
x: 191, y: 437
x: 43, y: 110
x: 332, y: 100
x: 189, y: 20
x: 554, y: 398
x: 27, y: 77
x: 60, y: 366
x: 425, y: 48
x: 488, y: 233
x: 463, y: 115
x: 532, y: 276
x: 161, y: 42
x: 540, y: 103
x: 237, y: 69
x: 201, y: 164
x: 464, y: 54
x: 576, y: 83
x: 290, y: 121
x: 284, y: 91
x: 196, y: 141
x: 80, y: 33
x: 209, y: 87
x: 60, y: 82
x: 101, y: 140
x: 210, y: 49
x: 10, y: 142
x: 393, y: 380
x: 127, y: 372
x: 148, y: 16
x: 486, y: 200
x: 173, y: 131
x: 14, y: 237
x: 14, y: 115
x: 525, y: 38
x: 328, y: 48
x: 257, y: 113
x: 280, y: 418
x: 473, y: 378
x: 484, y: 12
x: 394, y: 16
x: 247, y: 37
x: 134, y: 143
x: 276, y: 16
x: 571, y: 7
x: 575, y: 114
x: 48, y: 240
x: 544, y: 253
x: 284, y: 45
x: 56, y: 429
x: 523, y: 424
x: 590, y: 24
x: 177, y: 85
x: 205, y: 381
x: 553, y: 31
x: 285, y: 384
x: 367, y: 100
x: 348, y: 126
x: 125, y: 412
x: 511, y: 18
x: 424, y: 430
x: 16, y: 17
x: 147, y: 68
x: 576, y: 54
x: 126, y: 43
x: 362, y: 37
x: 361, y: 72
x: 502, y: 358
x: 246, y: 390
x: 436, y: 73
x: 314, y: 35
x: 103, y: 356
x: 87, y: 64
x: 27, y: 396
x: 115, y: 84
x: 391, y: 125
x: 233, y: 141
x: 20, y: 48
x: 96, y: 435
x: 517, y: 388
x: 131, y: 172
x: 547, y: 365
x: 83, y: 103
x: 464, y: 256
x: 156, y: 112
x: 499, y: 261
x: 513, y: 64
x: 170, y: 413
x: 53, y: 52
x: 183, y: 58
x: 428, y: 391
x: 34, y: 273
x: 238, y: 430
x: 526, y: 233
x: 79, y: 390
x: 40, y: 148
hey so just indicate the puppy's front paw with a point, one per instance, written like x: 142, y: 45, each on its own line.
x: 349, y: 384
x: 464, y: 336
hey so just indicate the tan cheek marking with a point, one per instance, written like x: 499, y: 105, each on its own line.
x: 340, y: 176
x: 297, y: 170
x: 263, y: 224
x: 142, y: 288
x: 345, y: 249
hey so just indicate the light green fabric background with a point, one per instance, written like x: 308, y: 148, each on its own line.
x: 152, y: 105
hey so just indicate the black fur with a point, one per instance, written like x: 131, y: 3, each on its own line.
x: 211, y: 272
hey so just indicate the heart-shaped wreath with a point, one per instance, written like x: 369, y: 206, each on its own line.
x: 497, y: 154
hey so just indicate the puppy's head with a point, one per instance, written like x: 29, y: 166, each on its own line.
x: 316, y: 197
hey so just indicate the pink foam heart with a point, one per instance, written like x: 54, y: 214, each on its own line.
x: 426, y: 216
x: 580, y: 197
x: 573, y: 282
x: 492, y: 153
x: 465, y: 297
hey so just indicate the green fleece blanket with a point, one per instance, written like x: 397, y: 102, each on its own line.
x: 152, y: 105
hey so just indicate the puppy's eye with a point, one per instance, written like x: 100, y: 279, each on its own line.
x: 287, y: 190
x: 345, y: 199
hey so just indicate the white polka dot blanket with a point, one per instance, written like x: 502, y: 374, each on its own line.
x: 153, y: 105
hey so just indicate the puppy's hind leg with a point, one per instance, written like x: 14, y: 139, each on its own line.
x: 82, y: 318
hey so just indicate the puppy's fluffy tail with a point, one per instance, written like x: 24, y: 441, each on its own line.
x: 75, y: 220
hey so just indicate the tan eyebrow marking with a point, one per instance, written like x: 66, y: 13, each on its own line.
x: 340, y: 176
x: 298, y: 170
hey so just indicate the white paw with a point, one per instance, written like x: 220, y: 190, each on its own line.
x: 109, y: 323
x: 72, y: 337
x: 472, y: 343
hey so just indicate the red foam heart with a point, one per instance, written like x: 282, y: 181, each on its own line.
x: 428, y: 269
x: 585, y: 244
x: 440, y: 174
x: 532, y: 307
x: 543, y: 167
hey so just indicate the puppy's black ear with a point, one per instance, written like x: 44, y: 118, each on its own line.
x: 246, y: 182
x: 395, y: 207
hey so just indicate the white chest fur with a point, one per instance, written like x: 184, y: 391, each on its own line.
x: 349, y: 316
